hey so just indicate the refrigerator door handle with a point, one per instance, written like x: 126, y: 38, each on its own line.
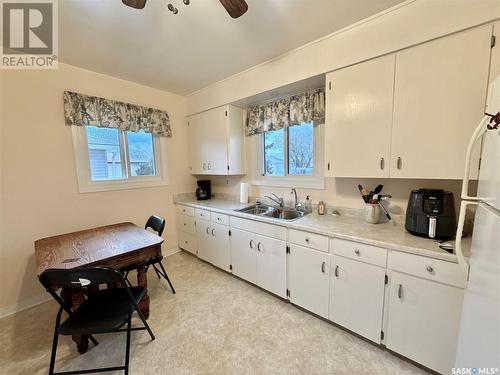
x: 462, y: 262
x: 476, y: 136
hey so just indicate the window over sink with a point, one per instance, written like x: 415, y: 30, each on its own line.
x: 290, y: 156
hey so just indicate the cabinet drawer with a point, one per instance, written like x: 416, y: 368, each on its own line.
x: 362, y: 252
x: 258, y: 227
x: 202, y: 214
x: 315, y: 241
x: 219, y: 218
x: 187, y: 242
x: 427, y: 268
x: 185, y: 210
x: 186, y: 224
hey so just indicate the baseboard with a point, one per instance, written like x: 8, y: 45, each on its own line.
x: 24, y: 304
x: 36, y: 300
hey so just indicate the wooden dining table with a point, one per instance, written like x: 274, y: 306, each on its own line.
x: 115, y: 245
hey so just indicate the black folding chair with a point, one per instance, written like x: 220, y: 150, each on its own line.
x: 104, y: 311
x: 157, y: 224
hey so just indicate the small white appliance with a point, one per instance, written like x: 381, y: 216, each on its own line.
x: 478, y: 347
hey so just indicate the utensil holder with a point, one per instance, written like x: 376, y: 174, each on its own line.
x: 372, y: 213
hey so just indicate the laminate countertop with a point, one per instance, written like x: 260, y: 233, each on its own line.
x: 390, y: 235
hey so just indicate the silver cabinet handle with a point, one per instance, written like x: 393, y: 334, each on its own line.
x: 204, y: 166
x: 429, y: 269
x: 357, y: 252
x: 213, y: 232
x: 251, y: 244
x: 337, y: 271
x: 208, y: 230
x: 209, y: 166
x: 399, y: 162
x: 382, y: 163
x: 259, y: 247
x: 400, y: 291
x: 323, y: 267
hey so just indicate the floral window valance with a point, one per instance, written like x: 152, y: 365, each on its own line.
x: 84, y: 110
x: 290, y: 111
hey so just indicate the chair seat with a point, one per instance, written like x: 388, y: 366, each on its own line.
x: 153, y: 260
x: 103, y: 311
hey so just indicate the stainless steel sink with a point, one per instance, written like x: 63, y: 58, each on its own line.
x: 272, y: 212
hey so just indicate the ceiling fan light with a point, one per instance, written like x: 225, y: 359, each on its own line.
x: 186, y: 2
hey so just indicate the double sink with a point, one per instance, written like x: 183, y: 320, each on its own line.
x: 272, y: 212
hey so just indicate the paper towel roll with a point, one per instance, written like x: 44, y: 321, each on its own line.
x: 244, y: 190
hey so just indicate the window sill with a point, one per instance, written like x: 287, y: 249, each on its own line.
x: 96, y: 186
x: 289, y: 182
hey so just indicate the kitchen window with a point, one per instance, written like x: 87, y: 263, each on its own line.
x: 290, y: 156
x: 113, y: 159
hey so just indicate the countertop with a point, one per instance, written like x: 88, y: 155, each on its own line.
x: 390, y: 235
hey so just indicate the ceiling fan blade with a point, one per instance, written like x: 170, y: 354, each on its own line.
x: 235, y: 8
x: 137, y: 4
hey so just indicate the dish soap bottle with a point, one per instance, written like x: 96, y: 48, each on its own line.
x: 308, y: 204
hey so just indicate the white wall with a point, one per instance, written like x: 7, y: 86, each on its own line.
x: 412, y: 23
x: 39, y: 195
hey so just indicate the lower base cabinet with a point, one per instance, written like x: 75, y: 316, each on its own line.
x: 213, y: 244
x: 357, y: 296
x: 424, y: 321
x: 260, y: 260
x: 309, y: 279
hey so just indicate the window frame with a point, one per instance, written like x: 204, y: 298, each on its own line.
x: 87, y: 185
x: 315, y: 180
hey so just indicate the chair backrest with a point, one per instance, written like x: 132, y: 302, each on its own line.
x: 53, y: 279
x: 156, y: 223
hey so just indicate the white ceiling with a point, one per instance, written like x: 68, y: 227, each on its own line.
x: 201, y: 44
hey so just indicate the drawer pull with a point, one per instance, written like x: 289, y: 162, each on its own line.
x: 218, y: 218
x: 307, y: 240
x: 213, y: 232
x: 259, y: 247
x: 337, y: 271
x: 323, y: 267
x: 399, y: 163
x: 183, y: 210
x: 185, y: 224
x: 382, y: 163
x: 251, y: 244
x: 357, y: 252
x: 400, y: 291
x: 208, y: 230
x: 185, y: 242
x: 429, y: 269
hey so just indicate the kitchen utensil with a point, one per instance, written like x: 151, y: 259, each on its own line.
x: 385, y: 210
x: 378, y: 189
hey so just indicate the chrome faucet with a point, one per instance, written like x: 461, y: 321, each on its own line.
x: 279, y: 201
x: 297, y: 205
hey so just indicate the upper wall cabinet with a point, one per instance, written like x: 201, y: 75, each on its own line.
x: 409, y: 114
x: 440, y: 94
x: 217, y: 141
x: 359, y: 119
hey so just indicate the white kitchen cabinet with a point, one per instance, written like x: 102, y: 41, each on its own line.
x: 357, y: 296
x: 260, y: 260
x: 308, y: 279
x: 440, y: 91
x: 359, y: 102
x: 213, y: 243
x: 423, y: 320
x: 216, y: 141
x: 271, y: 265
x: 243, y: 255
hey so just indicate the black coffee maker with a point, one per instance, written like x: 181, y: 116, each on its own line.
x: 204, y: 190
x: 431, y: 213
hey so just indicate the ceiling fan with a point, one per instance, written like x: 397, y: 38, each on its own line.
x: 235, y: 8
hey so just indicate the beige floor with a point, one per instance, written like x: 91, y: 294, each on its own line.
x: 215, y: 324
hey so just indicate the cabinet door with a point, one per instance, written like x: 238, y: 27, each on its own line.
x: 220, y: 256
x: 243, y: 254
x: 271, y: 265
x: 204, y: 239
x: 359, y: 119
x: 357, y: 296
x: 308, y: 279
x: 424, y: 319
x: 208, y: 139
x: 439, y: 99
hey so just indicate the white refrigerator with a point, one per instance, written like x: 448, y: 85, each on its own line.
x: 478, y: 347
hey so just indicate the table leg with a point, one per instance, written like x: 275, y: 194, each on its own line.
x: 76, y: 297
x: 142, y: 280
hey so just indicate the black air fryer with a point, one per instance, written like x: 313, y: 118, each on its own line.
x: 431, y: 213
